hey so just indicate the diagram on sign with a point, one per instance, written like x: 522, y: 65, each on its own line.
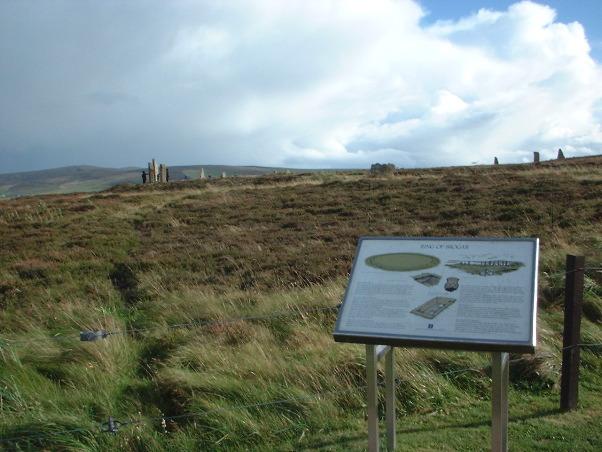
x: 485, y: 267
x: 428, y: 279
x: 434, y: 307
x: 402, y: 262
x: 457, y: 293
x: 452, y: 284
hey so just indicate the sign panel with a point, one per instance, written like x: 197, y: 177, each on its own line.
x: 456, y: 293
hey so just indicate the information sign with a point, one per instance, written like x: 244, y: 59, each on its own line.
x: 449, y: 293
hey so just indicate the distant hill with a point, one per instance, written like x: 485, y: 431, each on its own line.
x: 73, y: 179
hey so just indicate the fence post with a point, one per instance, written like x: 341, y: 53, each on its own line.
x: 573, y: 307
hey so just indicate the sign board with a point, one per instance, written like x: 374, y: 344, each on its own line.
x: 450, y: 293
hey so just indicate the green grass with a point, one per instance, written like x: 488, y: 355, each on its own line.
x: 210, y: 253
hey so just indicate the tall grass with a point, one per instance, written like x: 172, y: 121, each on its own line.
x: 183, y: 266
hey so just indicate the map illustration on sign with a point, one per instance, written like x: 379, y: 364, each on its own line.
x: 460, y: 293
x: 403, y: 262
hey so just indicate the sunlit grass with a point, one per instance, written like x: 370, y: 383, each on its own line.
x: 200, y: 272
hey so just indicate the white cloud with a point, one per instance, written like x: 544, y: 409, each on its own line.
x: 449, y: 103
x: 291, y: 83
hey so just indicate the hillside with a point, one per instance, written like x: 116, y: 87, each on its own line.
x: 74, y: 179
x: 218, y: 299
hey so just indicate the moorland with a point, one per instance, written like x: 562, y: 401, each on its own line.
x: 86, y: 178
x: 213, y: 304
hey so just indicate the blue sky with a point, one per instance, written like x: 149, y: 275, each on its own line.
x: 587, y: 12
x: 298, y: 83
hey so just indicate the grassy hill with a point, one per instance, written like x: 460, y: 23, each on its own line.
x: 74, y: 179
x: 218, y: 298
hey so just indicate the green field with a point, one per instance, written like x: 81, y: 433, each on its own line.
x: 218, y: 298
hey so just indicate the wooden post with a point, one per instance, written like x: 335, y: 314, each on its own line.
x: 573, y: 307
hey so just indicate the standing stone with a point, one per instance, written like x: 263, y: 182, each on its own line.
x: 560, y: 154
x: 151, y: 173
x: 202, y: 176
x: 223, y: 175
x: 495, y: 161
x: 536, y: 157
x: 163, y: 172
x: 154, y: 171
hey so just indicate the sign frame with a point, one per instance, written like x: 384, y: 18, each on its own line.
x: 486, y: 277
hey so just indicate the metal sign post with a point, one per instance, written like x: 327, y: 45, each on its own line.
x: 374, y: 354
x: 390, y: 399
x: 500, y: 372
x: 372, y: 390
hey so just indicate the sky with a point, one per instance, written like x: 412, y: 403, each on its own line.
x: 298, y: 83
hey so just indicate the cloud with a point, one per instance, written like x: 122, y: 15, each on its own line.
x: 310, y: 83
